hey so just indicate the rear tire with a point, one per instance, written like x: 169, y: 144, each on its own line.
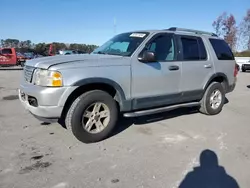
x: 86, y: 123
x: 209, y: 104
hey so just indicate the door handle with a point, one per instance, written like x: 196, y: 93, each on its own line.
x: 208, y: 66
x: 173, y: 67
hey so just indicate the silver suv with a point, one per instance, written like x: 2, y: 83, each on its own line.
x: 134, y: 74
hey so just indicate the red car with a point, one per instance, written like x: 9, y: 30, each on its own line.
x: 9, y: 57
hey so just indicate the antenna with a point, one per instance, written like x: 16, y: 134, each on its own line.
x: 114, y: 25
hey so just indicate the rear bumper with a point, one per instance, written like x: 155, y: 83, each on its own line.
x: 231, y: 88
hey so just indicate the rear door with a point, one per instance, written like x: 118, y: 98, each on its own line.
x: 197, y: 66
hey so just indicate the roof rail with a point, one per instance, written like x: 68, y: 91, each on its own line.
x: 192, y: 31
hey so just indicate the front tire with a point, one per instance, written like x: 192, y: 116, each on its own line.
x: 213, y: 99
x: 92, y: 116
x: 22, y: 63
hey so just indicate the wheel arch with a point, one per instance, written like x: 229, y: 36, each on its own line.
x: 218, y: 77
x: 98, y: 81
x: 85, y: 85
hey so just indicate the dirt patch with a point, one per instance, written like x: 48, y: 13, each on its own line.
x: 37, y: 166
x: 115, y: 181
x: 36, y: 157
x: 45, y: 123
x: 145, y: 130
x: 10, y: 97
x: 248, y: 86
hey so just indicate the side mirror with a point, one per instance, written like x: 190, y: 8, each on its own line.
x: 147, y: 56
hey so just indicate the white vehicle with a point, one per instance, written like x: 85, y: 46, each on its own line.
x: 243, y: 62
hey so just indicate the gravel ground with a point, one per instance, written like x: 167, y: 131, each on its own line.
x: 151, y: 152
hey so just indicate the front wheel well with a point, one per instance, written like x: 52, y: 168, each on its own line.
x: 83, y: 89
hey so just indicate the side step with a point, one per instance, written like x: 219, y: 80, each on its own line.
x: 159, y: 110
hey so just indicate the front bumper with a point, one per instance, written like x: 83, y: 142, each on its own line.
x: 48, y: 112
x: 43, y: 102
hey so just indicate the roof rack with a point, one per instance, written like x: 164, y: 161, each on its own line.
x: 192, y: 31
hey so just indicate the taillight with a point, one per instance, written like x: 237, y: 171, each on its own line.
x: 236, y: 69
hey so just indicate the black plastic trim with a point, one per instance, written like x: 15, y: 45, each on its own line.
x: 155, y: 101
x: 125, y: 105
x: 194, y: 95
x: 220, y: 74
x: 165, y: 100
x: 159, y: 110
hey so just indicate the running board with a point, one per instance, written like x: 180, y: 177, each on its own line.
x: 159, y: 110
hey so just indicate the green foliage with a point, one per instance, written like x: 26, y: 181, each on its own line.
x: 242, y: 54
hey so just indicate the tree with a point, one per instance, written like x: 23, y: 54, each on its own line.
x: 231, y: 32
x: 11, y: 43
x: 225, y: 26
x: 218, y: 24
x: 245, y: 29
x: 43, y: 48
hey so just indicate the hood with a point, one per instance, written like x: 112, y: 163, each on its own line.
x: 47, y: 62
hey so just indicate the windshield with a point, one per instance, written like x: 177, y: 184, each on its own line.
x: 123, y: 44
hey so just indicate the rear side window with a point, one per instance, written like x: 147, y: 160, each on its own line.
x: 222, y: 50
x: 193, y: 49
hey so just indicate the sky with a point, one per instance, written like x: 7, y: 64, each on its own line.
x: 92, y: 21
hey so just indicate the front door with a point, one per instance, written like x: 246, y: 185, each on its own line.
x: 157, y: 83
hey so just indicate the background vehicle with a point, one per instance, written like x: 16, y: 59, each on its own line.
x: 245, y: 66
x: 244, y: 63
x: 134, y: 74
x: 70, y: 52
x: 9, y: 57
x: 29, y: 55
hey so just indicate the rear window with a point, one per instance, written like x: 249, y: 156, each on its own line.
x: 6, y: 51
x: 222, y: 50
x: 193, y: 49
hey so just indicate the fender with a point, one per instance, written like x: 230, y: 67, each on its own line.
x: 214, y: 76
x: 125, y: 105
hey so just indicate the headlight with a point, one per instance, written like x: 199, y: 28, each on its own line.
x: 47, y: 78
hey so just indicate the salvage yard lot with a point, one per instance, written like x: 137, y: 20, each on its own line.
x: 155, y: 151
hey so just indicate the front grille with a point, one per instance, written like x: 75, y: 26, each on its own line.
x: 28, y: 72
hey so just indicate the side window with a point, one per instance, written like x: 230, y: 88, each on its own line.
x: 6, y: 51
x: 190, y: 48
x: 222, y: 50
x: 163, y: 47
